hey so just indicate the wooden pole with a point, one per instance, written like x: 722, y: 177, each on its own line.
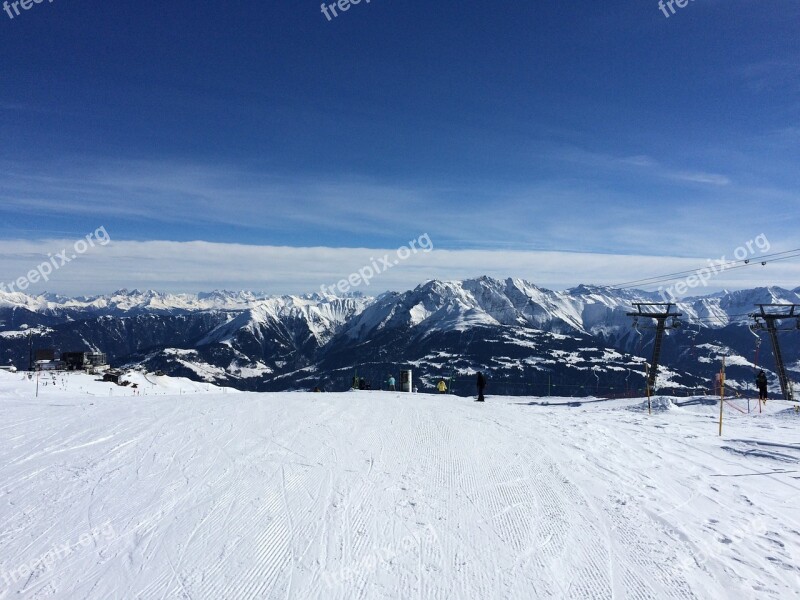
x: 721, y: 393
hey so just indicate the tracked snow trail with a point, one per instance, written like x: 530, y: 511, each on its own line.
x: 384, y: 495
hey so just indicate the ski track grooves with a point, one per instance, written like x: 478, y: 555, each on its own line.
x: 362, y: 496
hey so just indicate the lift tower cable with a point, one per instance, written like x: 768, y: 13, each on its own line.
x: 660, y: 311
x: 767, y: 318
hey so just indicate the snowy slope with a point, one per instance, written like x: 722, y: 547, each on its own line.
x: 448, y: 305
x: 503, y: 301
x: 444, y: 327
x: 511, y: 327
x: 384, y: 495
x: 129, y: 301
x: 318, y: 318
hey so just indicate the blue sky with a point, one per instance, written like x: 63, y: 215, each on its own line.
x: 600, y: 128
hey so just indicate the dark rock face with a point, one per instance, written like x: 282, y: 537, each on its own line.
x: 527, y: 339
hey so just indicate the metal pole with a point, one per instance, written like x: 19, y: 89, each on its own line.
x: 660, y: 312
x: 721, y: 394
x: 776, y: 313
x: 781, y: 368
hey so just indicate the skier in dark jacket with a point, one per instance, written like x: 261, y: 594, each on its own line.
x: 761, y: 382
x: 481, y: 385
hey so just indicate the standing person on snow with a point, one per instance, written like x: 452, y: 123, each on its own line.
x: 761, y: 382
x: 391, y: 383
x: 481, y: 386
x: 442, y: 387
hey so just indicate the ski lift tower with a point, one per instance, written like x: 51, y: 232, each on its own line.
x: 767, y: 318
x: 660, y: 312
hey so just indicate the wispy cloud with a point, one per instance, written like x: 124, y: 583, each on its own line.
x: 191, y: 193
x: 772, y: 74
x: 202, y: 266
x: 699, y: 177
x: 641, y: 165
x: 225, y: 203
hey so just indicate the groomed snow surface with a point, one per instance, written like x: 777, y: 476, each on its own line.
x: 185, y: 491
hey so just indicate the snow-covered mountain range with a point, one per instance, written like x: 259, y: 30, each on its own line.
x: 528, y: 339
